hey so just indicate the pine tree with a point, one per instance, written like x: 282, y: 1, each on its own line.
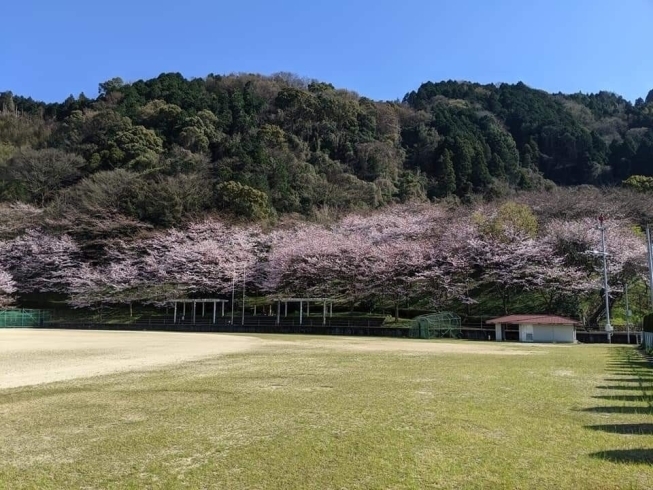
x: 446, y: 175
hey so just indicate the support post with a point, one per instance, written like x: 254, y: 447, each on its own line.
x: 498, y: 328
x: 203, y: 308
x: 308, y: 308
x: 215, y: 308
x: 194, y: 310
x: 301, y: 312
x: 183, y: 313
x: 278, y: 311
x: 254, y: 310
x: 286, y: 311
x: 324, y: 313
x: 222, y: 308
x: 175, y: 314
x: 331, y: 309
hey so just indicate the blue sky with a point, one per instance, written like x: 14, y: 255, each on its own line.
x: 382, y: 49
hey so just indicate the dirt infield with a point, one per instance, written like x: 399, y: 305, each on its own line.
x: 30, y: 357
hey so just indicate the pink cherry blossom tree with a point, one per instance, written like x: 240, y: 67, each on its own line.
x: 578, y: 241
x: 394, y: 271
x: 38, y: 261
x: 309, y: 260
x: 7, y: 289
x: 115, y: 283
x: 205, y: 258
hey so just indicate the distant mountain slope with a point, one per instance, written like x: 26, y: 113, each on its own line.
x: 162, y: 150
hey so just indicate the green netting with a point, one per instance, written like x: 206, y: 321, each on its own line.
x: 435, y: 325
x: 23, y: 318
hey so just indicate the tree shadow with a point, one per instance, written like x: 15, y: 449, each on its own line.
x: 626, y: 429
x: 643, y: 456
x: 618, y: 409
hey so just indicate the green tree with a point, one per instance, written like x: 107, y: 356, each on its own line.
x: 411, y: 186
x: 446, y: 178
x: 242, y: 200
x: 510, y: 218
x: 639, y: 183
x: 111, y: 85
x: 38, y: 174
x: 137, y: 148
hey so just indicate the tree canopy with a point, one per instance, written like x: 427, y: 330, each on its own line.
x: 260, y: 146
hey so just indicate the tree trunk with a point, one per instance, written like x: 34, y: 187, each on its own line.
x: 593, y: 319
x: 396, y: 312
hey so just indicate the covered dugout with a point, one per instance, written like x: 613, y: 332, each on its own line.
x: 536, y: 328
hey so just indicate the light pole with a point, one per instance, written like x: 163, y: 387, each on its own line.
x: 649, y: 246
x: 606, y: 288
x: 242, y: 318
x: 233, y: 296
x: 627, y: 313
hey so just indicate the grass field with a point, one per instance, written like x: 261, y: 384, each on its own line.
x: 283, y: 412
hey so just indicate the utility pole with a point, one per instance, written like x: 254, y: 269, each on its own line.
x: 233, y: 296
x: 242, y: 318
x: 627, y: 313
x: 649, y: 245
x: 606, y: 288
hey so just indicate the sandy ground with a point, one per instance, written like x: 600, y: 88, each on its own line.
x: 29, y: 357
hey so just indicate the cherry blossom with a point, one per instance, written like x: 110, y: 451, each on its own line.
x: 7, y: 289
x: 38, y: 261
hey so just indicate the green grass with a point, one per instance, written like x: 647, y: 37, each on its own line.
x: 300, y: 417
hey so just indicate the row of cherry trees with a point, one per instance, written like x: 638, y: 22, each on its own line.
x: 402, y: 255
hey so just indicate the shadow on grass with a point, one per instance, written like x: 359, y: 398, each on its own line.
x: 620, y: 387
x: 632, y: 373
x: 624, y: 398
x: 626, y: 429
x: 645, y: 371
x: 644, y: 456
x: 618, y: 409
x: 635, y: 364
x: 643, y: 379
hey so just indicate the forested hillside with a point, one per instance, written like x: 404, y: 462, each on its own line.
x: 169, y: 187
x: 164, y: 151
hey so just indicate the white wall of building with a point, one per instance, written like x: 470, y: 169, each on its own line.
x: 547, y: 333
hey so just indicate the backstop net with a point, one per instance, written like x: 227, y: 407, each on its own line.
x: 435, y: 325
x: 23, y: 318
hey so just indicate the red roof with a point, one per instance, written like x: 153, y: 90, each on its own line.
x: 533, y: 320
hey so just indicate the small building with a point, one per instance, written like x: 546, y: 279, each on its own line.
x: 536, y: 328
